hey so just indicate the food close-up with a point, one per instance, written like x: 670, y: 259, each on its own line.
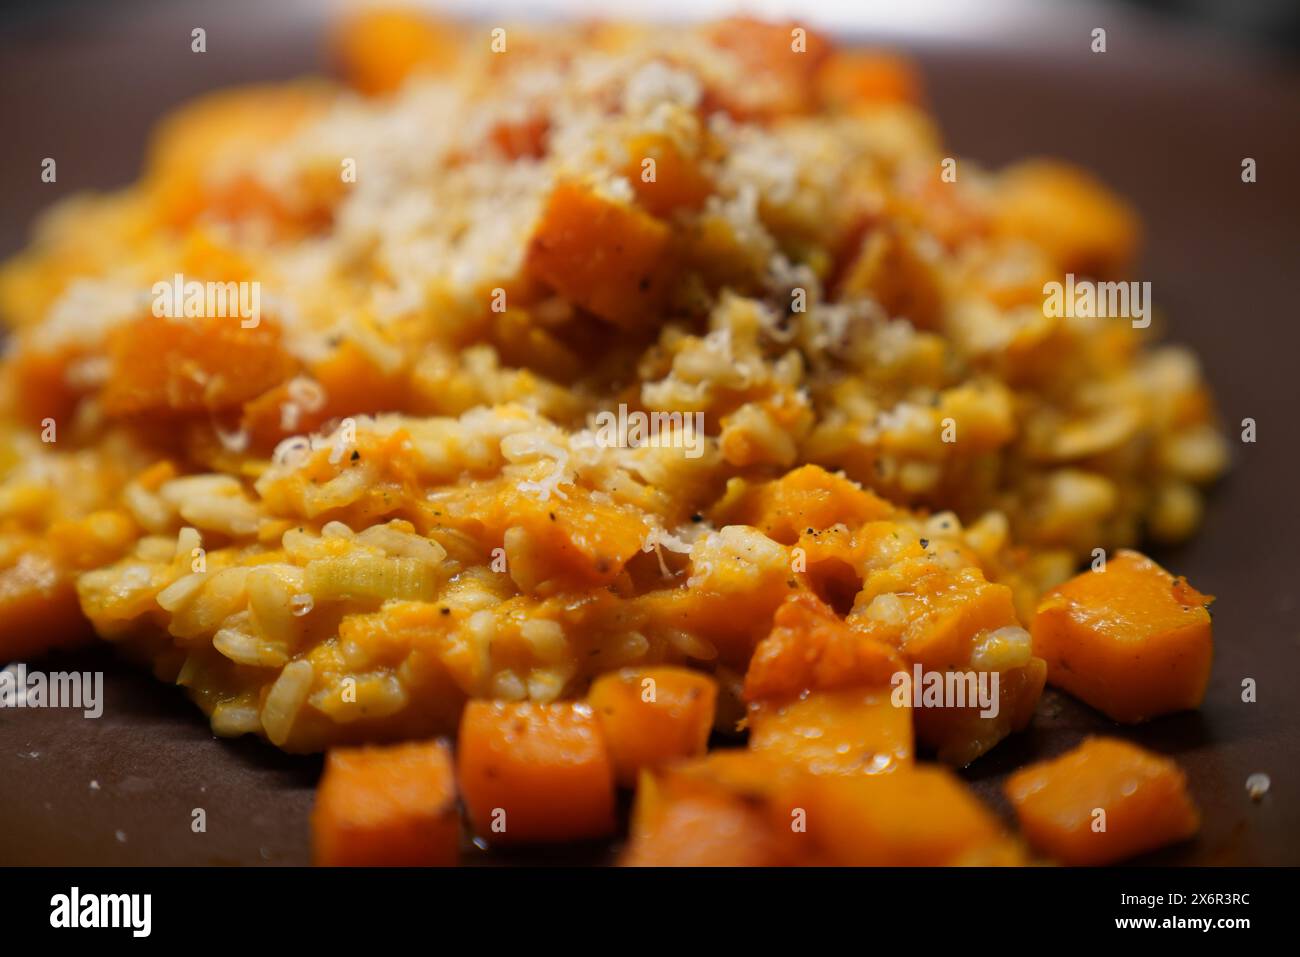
x: 653, y: 445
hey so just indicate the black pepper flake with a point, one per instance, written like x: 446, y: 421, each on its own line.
x: 697, y: 517
x: 925, y: 543
x: 355, y: 455
x: 553, y: 518
x: 445, y: 611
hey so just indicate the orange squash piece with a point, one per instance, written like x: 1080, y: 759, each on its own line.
x: 678, y: 181
x: 40, y: 382
x: 378, y: 50
x: 1102, y: 802
x: 576, y: 541
x: 858, y: 731
x: 960, y: 735
x: 810, y: 648
x: 223, y: 129
x: 535, y: 773
x: 387, y: 807
x: 603, y: 255
x: 851, y: 78
x: 38, y: 608
x: 1132, y: 641
x: 808, y: 497
x: 351, y: 382
x: 779, y: 62
x: 890, y: 268
x: 1074, y: 218
x: 703, y: 830
x: 653, y: 715
x: 189, y: 365
x: 731, y: 808
x: 922, y: 816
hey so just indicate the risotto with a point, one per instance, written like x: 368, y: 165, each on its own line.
x: 538, y: 357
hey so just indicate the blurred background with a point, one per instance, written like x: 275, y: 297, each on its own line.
x: 1185, y: 91
x: 83, y: 80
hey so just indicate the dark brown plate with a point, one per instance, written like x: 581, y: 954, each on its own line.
x: 1164, y: 118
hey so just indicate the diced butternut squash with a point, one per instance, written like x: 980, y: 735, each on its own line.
x: 605, y: 256
x: 890, y: 267
x: 40, y: 382
x: 857, y: 731
x: 38, y: 609
x: 731, y: 808
x: 218, y: 133
x: 575, y: 541
x: 955, y: 626
x: 535, y: 773
x: 1102, y: 802
x: 672, y: 181
x: 653, y: 715
x: 921, y: 816
x: 944, y: 612
x: 350, y: 383
x: 703, y: 830
x: 810, y: 648
x: 1131, y: 640
x: 852, y: 78
x: 378, y: 50
x: 518, y: 139
x: 779, y: 62
x: 387, y: 807
x: 191, y: 365
x: 805, y: 498
x: 1082, y: 225
x: 774, y: 813
x: 959, y: 735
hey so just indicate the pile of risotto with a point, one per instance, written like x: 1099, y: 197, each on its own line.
x: 372, y: 477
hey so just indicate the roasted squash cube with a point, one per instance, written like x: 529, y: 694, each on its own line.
x: 653, y: 715
x: 191, y: 365
x: 1132, y: 641
x: 959, y: 735
x: 921, y: 816
x: 731, y: 808
x: 808, y: 497
x: 858, y: 731
x: 811, y: 648
x: 603, y: 255
x: 678, y: 181
x: 1102, y: 802
x: 703, y: 830
x: 535, y: 773
x: 1083, y: 226
x: 850, y: 79
x: 378, y: 50
x: 387, y: 807
x: 38, y: 608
